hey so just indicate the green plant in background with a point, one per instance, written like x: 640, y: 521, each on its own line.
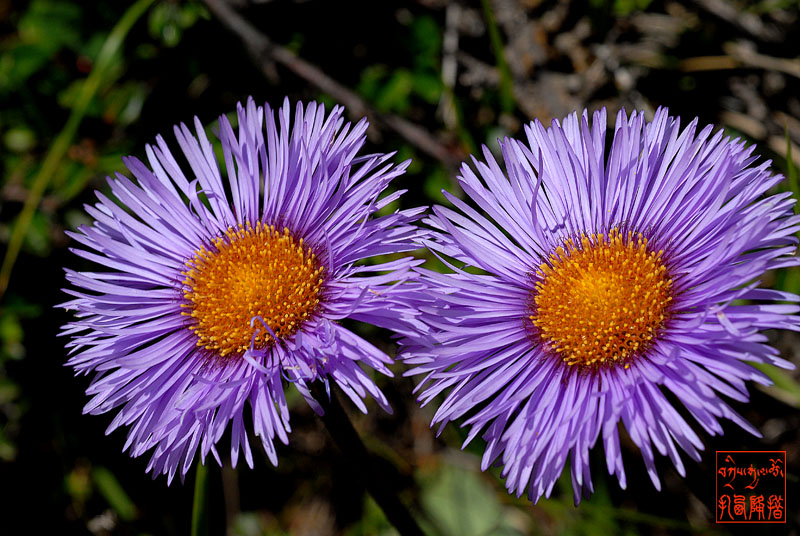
x: 621, y: 8
x: 506, y: 89
x: 30, y: 66
x: 103, y: 69
x: 45, y: 179
x: 395, y: 89
x: 44, y: 30
x: 168, y: 21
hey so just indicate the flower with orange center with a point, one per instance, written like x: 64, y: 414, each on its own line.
x: 546, y: 347
x: 603, y: 301
x: 250, y: 272
x: 233, y: 279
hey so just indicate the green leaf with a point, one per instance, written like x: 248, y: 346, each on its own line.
x: 783, y: 388
x: 37, y: 239
x: 461, y: 503
x: 623, y: 8
x: 168, y: 20
x: 8, y: 390
x: 51, y: 25
x: 78, y: 484
x: 123, y: 104
x: 437, y: 181
x: 373, y: 521
x: 8, y: 451
x: 112, y: 491
x: 19, y: 139
x: 428, y: 87
x: 372, y: 78
x: 19, y: 63
x: 393, y: 96
x: 10, y: 328
x: 426, y: 43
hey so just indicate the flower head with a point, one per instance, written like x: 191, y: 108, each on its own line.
x: 604, y: 283
x: 222, y: 286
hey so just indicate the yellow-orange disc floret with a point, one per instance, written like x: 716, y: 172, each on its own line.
x: 251, y: 271
x: 601, y: 302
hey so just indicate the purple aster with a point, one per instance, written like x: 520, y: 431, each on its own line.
x: 601, y: 284
x: 222, y: 286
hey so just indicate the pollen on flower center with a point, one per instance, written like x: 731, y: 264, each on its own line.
x: 250, y: 271
x: 602, y: 301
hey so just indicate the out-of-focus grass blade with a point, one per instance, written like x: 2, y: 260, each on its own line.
x: 62, y: 142
x: 112, y: 491
x: 789, y: 280
x: 507, y: 100
x: 200, y: 503
x: 784, y: 387
x: 791, y: 172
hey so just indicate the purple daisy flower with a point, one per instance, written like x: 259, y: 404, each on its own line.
x: 606, y: 283
x: 220, y: 287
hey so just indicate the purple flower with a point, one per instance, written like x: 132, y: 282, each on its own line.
x: 219, y: 287
x: 601, y: 284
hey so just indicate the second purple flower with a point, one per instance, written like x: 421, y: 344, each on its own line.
x: 593, y: 285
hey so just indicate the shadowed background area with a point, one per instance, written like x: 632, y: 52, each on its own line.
x: 437, y: 79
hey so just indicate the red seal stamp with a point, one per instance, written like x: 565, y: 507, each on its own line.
x: 751, y: 486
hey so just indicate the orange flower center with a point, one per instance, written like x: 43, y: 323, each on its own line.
x: 249, y: 272
x: 603, y: 301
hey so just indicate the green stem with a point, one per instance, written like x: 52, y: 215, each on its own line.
x: 64, y: 139
x: 363, y: 463
x: 200, y: 502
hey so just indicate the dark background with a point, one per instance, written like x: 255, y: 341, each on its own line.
x: 430, y: 97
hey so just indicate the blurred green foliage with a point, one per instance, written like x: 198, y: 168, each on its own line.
x: 621, y: 8
x: 460, y: 502
x: 113, y: 492
x: 394, y: 89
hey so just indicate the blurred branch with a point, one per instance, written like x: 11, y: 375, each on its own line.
x: 750, y: 57
x: 738, y: 56
x: 61, y: 144
x: 749, y: 22
x: 708, y: 63
x: 778, y: 145
x: 741, y: 55
x: 758, y: 131
x: 263, y: 52
x: 450, y: 65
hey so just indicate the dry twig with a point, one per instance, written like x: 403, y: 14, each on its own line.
x: 264, y: 52
x: 748, y: 22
